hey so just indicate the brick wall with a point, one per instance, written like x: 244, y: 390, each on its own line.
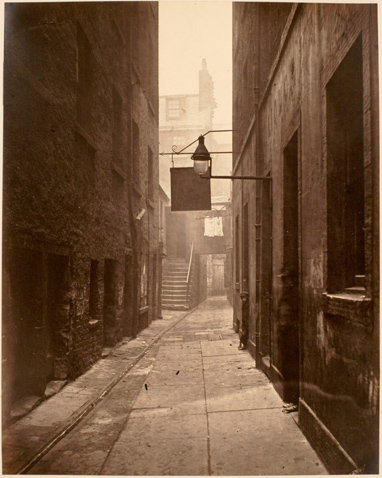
x: 75, y: 78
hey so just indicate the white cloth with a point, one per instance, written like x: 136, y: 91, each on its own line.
x: 219, y: 226
x: 213, y: 226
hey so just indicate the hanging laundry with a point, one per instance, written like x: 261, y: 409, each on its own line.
x: 213, y: 226
x: 218, y: 226
x: 209, y: 227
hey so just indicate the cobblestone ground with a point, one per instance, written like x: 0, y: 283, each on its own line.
x: 193, y: 405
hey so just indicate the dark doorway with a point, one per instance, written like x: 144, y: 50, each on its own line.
x: 246, y: 326
x: 110, y: 302
x: 128, y: 297
x: 57, y: 328
x: 266, y: 272
x: 288, y: 312
x: 28, y: 354
x: 215, y: 274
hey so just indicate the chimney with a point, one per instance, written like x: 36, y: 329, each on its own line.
x: 206, y: 89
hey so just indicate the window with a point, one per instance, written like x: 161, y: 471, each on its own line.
x: 179, y: 141
x: 345, y: 158
x: 173, y: 108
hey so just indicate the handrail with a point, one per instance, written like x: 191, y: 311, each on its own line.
x: 190, y: 263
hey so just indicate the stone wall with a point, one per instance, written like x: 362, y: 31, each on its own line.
x: 318, y: 345
x: 80, y: 164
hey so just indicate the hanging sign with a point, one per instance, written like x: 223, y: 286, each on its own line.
x: 189, y: 192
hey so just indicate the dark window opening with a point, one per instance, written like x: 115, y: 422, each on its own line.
x: 346, y: 244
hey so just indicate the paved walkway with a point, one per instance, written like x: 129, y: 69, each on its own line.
x: 184, y: 402
x: 29, y: 438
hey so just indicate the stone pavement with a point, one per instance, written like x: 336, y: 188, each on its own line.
x: 190, y: 404
x: 31, y: 436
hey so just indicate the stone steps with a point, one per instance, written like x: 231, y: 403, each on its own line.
x: 174, y: 285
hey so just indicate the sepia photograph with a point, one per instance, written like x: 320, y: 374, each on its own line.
x: 190, y: 238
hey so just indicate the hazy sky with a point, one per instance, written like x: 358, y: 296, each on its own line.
x: 188, y: 32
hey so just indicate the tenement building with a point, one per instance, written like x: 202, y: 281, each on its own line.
x: 80, y: 215
x: 306, y: 236
x: 198, y: 242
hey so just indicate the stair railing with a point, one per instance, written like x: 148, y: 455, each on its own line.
x: 189, y: 270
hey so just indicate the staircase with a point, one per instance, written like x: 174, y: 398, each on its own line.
x: 174, y: 286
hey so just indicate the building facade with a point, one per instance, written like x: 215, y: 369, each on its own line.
x: 306, y: 238
x: 80, y: 216
x: 182, y: 119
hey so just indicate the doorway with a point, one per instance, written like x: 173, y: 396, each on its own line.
x: 215, y: 275
x: 288, y: 310
x: 266, y: 274
x: 128, y: 297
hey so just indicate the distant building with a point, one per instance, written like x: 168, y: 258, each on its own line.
x: 182, y: 119
x: 306, y: 242
x: 81, y: 243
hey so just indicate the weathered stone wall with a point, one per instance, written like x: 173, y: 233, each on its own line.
x: 76, y: 176
x: 338, y: 339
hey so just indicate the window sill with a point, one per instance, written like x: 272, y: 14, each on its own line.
x: 356, y: 308
x: 150, y: 203
x: 143, y: 310
x: 93, y: 323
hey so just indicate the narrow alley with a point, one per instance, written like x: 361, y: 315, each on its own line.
x: 168, y: 194
x: 192, y: 405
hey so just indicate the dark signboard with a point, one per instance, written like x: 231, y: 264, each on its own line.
x: 189, y: 192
